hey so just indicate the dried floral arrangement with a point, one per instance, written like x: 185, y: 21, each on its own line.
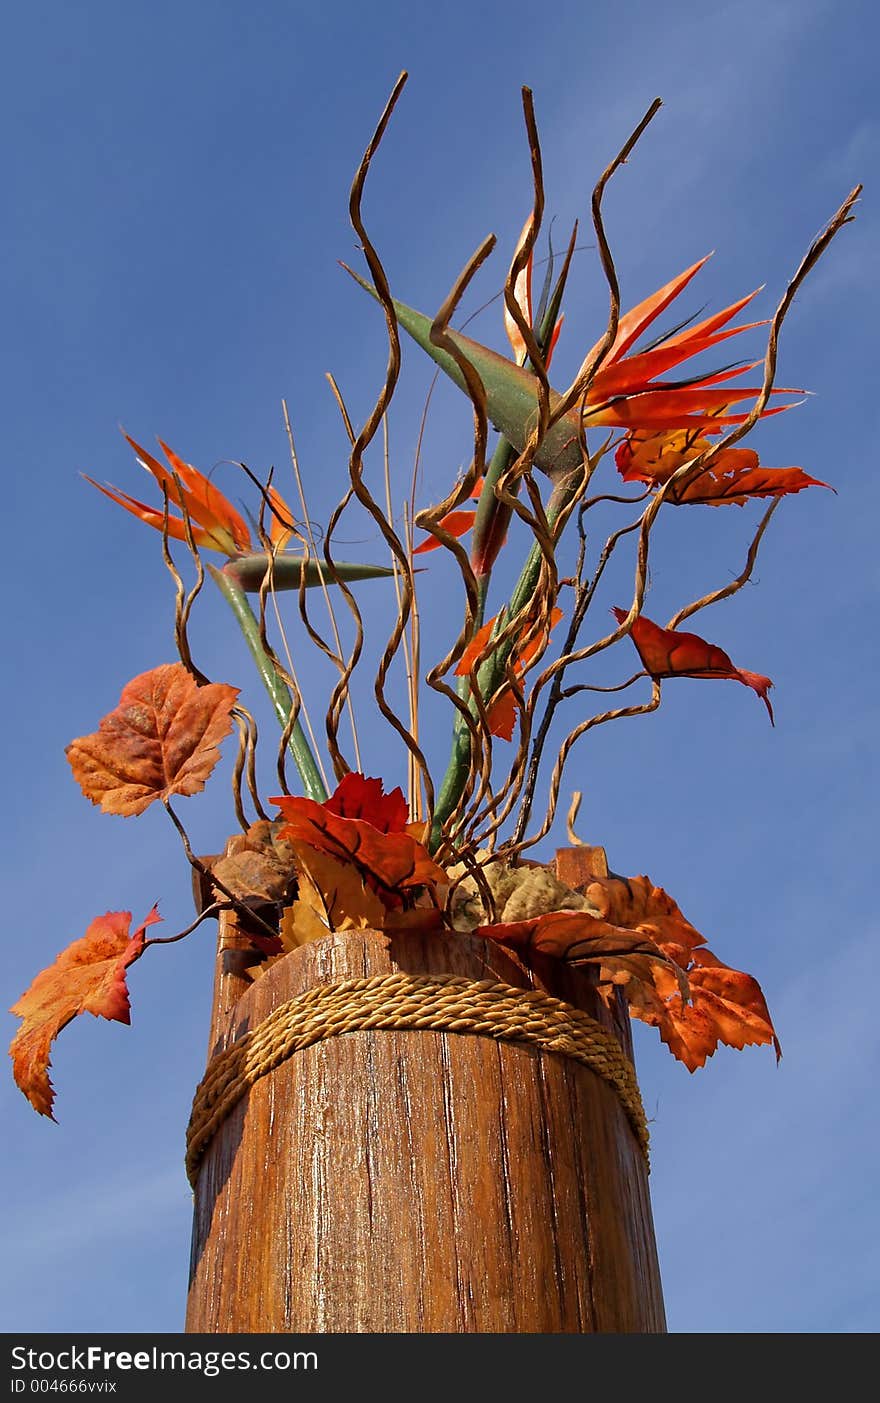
x: 638, y: 428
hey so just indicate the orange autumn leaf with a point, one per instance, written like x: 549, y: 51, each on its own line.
x: 281, y: 524
x: 734, y: 476
x: 667, y: 652
x: 637, y: 904
x: 671, y: 407
x: 725, y: 1006
x: 706, y: 1002
x: 457, y: 523
x: 502, y: 713
x: 87, y: 977
x: 480, y: 640
x: 578, y: 937
x: 736, y: 483
x: 162, y: 739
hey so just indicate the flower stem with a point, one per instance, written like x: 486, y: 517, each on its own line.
x: 278, y: 690
x: 492, y: 671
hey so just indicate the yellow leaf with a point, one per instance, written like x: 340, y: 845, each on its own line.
x: 335, y: 891
x: 299, y: 925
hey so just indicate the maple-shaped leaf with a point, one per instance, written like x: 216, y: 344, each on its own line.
x: 299, y: 925
x: 161, y: 739
x: 261, y: 870
x: 578, y: 937
x: 637, y: 904
x: 733, y: 477
x: 725, y: 1006
x: 367, y: 829
x: 696, y: 1001
x: 336, y: 892
x: 667, y: 652
x: 358, y: 797
x: 87, y: 977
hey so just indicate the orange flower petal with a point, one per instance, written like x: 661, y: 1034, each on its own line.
x: 206, y: 502
x: 153, y: 517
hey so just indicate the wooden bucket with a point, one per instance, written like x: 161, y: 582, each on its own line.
x: 442, y: 1177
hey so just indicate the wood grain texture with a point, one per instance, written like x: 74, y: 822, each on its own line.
x: 420, y: 1181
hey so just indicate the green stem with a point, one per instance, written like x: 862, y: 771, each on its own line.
x: 492, y: 671
x: 282, y: 701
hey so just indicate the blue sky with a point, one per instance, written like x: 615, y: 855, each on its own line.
x: 176, y: 182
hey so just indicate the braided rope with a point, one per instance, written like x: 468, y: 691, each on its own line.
x: 443, y: 1003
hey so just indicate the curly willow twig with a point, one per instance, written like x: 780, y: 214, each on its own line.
x: 364, y: 438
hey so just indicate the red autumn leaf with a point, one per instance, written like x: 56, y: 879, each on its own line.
x: 734, y: 476
x: 161, y: 739
x: 392, y: 861
x: 358, y: 797
x: 667, y: 652
x: 87, y: 977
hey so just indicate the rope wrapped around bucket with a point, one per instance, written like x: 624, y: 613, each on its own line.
x: 392, y: 1002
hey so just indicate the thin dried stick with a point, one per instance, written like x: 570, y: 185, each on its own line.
x: 356, y: 470
x: 580, y: 387
x: 514, y: 848
x: 703, y: 462
x: 291, y: 669
x: 727, y: 590
x: 418, y: 809
x: 238, y: 768
x: 411, y: 782
x: 240, y: 908
x: 571, y: 818
x: 183, y: 601
x: 251, y: 768
x: 213, y: 910
x: 314, y: 549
